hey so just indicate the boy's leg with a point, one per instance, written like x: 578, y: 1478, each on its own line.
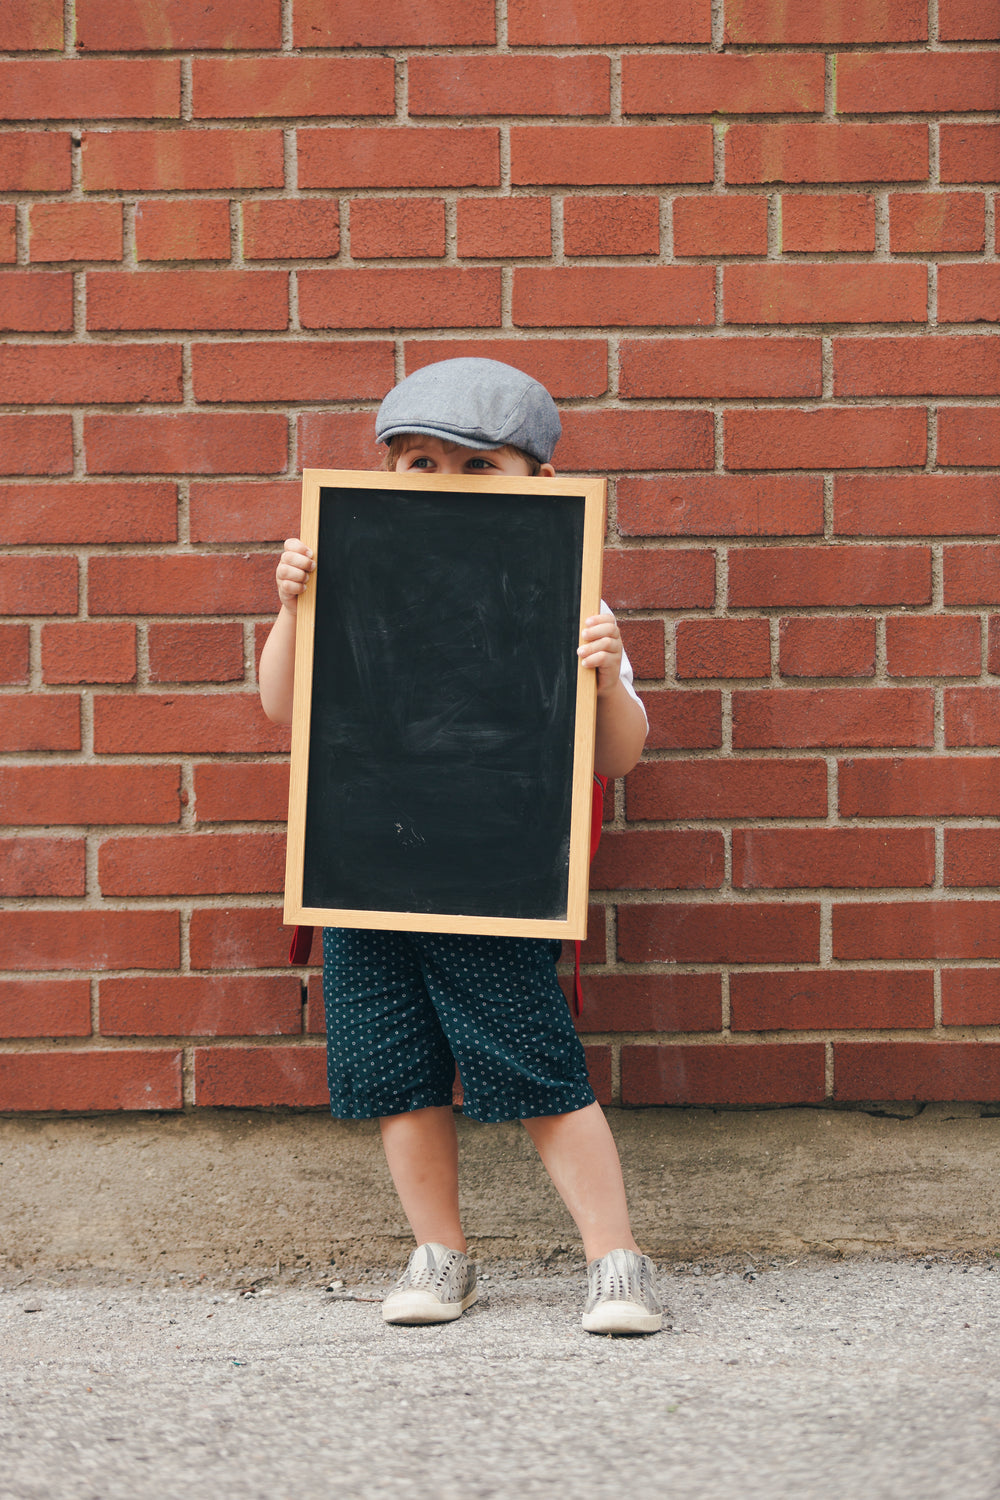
x: 421, y: 1148
x: 580, y: 1155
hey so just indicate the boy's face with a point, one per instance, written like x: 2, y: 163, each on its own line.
x: 429, y: 455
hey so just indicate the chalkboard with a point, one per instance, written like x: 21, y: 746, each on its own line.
x: 443, y: 729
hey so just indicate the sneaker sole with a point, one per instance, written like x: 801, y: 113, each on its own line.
x: 622, y: 1317
x: 423, y: 1307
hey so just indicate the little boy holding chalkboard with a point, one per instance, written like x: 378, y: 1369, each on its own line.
x: 403, y: 1007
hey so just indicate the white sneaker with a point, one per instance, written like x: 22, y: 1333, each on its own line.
x: 622, y: 1295
x: 436, y: 1287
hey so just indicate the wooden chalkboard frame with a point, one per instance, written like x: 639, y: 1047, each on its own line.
x: 592, y: 492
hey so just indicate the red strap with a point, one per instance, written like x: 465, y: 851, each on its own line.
x: 302, y: 941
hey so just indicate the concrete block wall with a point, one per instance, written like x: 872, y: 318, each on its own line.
x: 752, y: 250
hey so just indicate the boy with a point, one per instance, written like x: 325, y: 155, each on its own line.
x: 402, y: 1008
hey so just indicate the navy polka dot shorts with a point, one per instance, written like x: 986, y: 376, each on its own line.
x: 402, y: 1008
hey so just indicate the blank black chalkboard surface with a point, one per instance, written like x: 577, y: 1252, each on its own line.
x: 443, y: 731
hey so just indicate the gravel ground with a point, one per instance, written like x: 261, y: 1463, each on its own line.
x: 826, y: 1379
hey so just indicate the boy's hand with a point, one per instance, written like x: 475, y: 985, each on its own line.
x: 292, y: 573
x: 601, y: 649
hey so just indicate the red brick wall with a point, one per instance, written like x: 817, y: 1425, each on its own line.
x: 751, y: 247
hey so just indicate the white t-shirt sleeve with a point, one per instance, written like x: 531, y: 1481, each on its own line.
x: 627, y: 674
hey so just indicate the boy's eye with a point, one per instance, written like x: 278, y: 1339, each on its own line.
x: 421, y: 463
x: 478, y: 463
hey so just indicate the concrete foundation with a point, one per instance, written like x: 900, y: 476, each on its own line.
x: 222, y: 1190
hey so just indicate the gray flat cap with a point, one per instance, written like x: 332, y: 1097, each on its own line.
x: 477, y: 403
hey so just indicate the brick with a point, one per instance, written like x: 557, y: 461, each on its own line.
x: 643, y: 641
x: 297, y: 371
x: 47, y: 795
x: 771, y: 22
x: 395, y: 23
x: 721, y: 84
x: 36, y: 445
x: 37, y: 374
x: 260, y: 1077
x: 906, y: 930
x: 931, y: 787
x: 190, y: 1005
x: 8, y: 234
x: 814, y: 718
x: 386, y: 156
x: 239, y: 512
x: 916, y: 1070
x: 176, y: 25
x: 993, y: 645
x: 566, y: 367
x: 725, y: 789
x: 182, y: 160
x: 611, y: 226
x: 916, y: 505
x: 917, y: 82
x: 42, y: 867
x: 90, y: 940
x: 418, y: 297
x: 86, y: 651
x: 504, y: 228
x: 244, y: 937
x: 970, y: 153
x: 796, y: 858
x: 599, y: 22
x: 291, y: 231
x: 184, y: 723
x: 597, y: 155
x: 659, y: 580
x: 933, y: 646
x: 675, y: 1075
x: 192, y: 443
x: 181, y: 584
x: 71, y: 88
x: 636, y: 439
x: 592, y: 296
x: 45, y: 585
x: 75, y: 231
x: 968, y: 436
x: 826, y: 1000
x: 15, y: 646
x: 651, y: 1002
x: 44, y: 1007
x: 680, y: 720
x: 338, y: 440
x: 81, y: 1082
x: 715, y: 368
x: 705, y: 933
x: 198, y: 229
x: 498, y: 84
x: 970, y: 997
x: 816, y: 647
x: 969, y: 293
x: 236, y: 88
x: 827, y: 153
x: 31, y: 722
x: 713, y: 225
x: 968, y: 20
x: 241, y: 793
x: 972, y: 716
x: 89, y: 513
x: 826, y: 293
x: 196, y: 652
x: 826, y: 438
x: 723, y: 648
x: 31, y: 26
x: 187, y: 299
x: 36, y: 302
x: 840, y: 221
x: 678, y: 859
x: 720, y: 505
x: 194, y: 864
x: 35, y: 161
x: 924, y: 223
x: 971, y: 857
x: 939, y: 365
x: 397, y: 227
